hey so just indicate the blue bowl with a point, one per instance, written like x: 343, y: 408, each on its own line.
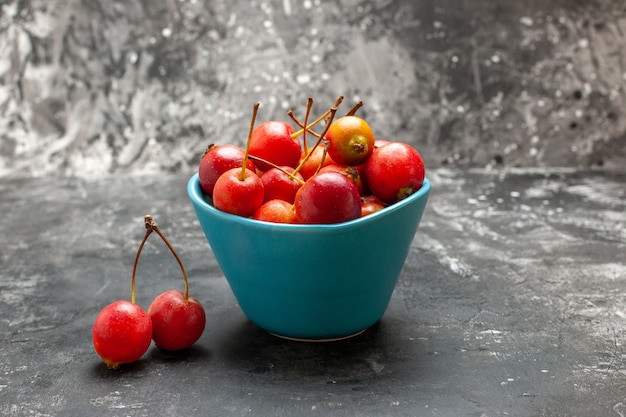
x: 312, y: 282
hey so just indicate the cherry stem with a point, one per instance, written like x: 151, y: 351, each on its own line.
x: 331, y: 115
x: 303, y: 130
x: 309, y: 126
x: 151, y: 225
x: 273, y: 165
x: 242, y: 175
x: 323, y: 157
x: 132, y: 282
x: 353, y: 110
x: 309, y: 105
x: 208, y: 148
x: 319, y: 119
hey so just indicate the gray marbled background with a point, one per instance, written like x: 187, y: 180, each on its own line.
x: 95, y: 87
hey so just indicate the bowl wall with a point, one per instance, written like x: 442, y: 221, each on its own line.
x: 312, y: 281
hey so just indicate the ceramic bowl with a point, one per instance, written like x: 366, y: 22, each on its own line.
x: 312, y: 282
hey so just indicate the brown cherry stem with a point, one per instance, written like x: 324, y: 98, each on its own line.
x: 150, y: 224
x: 308, y: 127
x: 208, y: 148
x: 353, y: 110
x: 255, y: 110
x: 331, y: 115
x: 323, y: 157
x: 319, y: 119
x: 143, y: 242
x: 273, y: 165
x: 309, y: 105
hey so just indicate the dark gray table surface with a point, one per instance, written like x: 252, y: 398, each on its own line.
x: 511, y: 303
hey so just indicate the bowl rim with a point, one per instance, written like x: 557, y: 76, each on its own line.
x: 197, y: 197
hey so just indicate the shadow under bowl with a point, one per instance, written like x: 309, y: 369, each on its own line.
x: 312, y: 282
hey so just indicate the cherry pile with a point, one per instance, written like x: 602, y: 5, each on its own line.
x: 123, y: 331
x: 347, y: 173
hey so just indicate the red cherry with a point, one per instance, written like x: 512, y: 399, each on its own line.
x: 370, y: 204
x: 278, y: 185
x: 121, y: 333
x: 328, y: 197
x: 380, y: 142
x: 276, y: 211
x: 273, y: 142
x: 351, y: 140
x: 350, y: 172
x: 218, y: 159
x: 177, y: 322
x: 394, y: 171
x: 236, y: 195
x: 313, y: 163
x: 365, y: 188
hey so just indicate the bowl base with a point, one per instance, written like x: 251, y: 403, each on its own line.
x: 333, y: 339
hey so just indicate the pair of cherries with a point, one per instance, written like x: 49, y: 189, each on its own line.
x: 123, y: 331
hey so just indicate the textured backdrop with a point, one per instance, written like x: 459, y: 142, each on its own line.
x: 98, y: 87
